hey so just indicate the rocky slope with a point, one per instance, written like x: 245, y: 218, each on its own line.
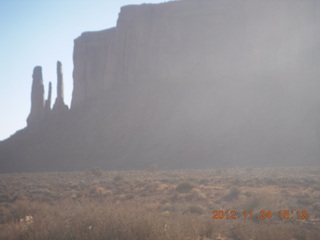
x: 187, y: 84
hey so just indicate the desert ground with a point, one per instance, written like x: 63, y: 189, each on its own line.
x: 230, y: 204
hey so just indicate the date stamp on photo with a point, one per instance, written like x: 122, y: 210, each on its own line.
x: 263, y: 214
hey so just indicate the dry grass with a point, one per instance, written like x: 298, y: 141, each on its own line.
x: 142, y: 205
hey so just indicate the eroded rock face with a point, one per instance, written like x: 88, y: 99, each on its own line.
x: 203, y: 80
x: 94, y: 59
x: 186, y: 41
x: 37, y: 98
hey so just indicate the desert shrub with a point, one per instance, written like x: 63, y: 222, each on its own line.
x: 304, y: 201
x: 204, y: 181
x: 5, y: 215
x: 189, y: 197
x: 195, y: 209
x: 95, y: 171
x: 8, y: 198
x: 44, y: 195
x: 300, y: 234
x: 118, y: 178
x: 184, y: 187
x: 251, y: 203
x: 250, y: 230
x: 316, y: 187
x: 90, y: 220
x: 16, y: 211
x: 198, y: 194
x: 130, y: 196
x: 248, y: 194
x: 169, y: 208
x: 316, y: 209
x: 152, y: 167
x: 232, y: 195
x: 270, y: 181
x: 191, y: 179
x: 219, y: 172
x: 162, y: 206
x: 165, y: 180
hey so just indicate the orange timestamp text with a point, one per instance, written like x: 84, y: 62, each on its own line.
x: 282, y: 214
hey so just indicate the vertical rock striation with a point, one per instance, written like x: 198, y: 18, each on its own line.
x: 37, y: 98
x: 94, y: 61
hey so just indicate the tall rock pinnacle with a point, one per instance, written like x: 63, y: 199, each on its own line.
x: 37, y: 98
x: 60, y: 81
x: 59, y: 104
x: 48, y: 101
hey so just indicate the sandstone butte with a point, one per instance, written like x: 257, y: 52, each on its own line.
x: 183, y: 84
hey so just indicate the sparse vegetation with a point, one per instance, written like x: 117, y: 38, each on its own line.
x: 177, y: 204
x: 184, y: 187
x: 95, y: 171
x: 232, y: 195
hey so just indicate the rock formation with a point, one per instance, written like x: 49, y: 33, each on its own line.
x: 60, y: 94
x: 37, y: 98
x: 184, y: 84
x: 59, y: 105
x: 40, y: 108
x: 93, y: 56
x: 48, y: 101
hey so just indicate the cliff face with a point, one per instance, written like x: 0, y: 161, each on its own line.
x: 92, y: 57
x: 193, y: 84
x: 181, y: 41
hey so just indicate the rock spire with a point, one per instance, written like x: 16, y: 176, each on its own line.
x: 41, y: 108
x: 59, y: 104
x: 60, y: 94
x: 48, y: 101
x: 37, y: 98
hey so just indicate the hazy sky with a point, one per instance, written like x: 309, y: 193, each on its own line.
x: 36, y: 32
